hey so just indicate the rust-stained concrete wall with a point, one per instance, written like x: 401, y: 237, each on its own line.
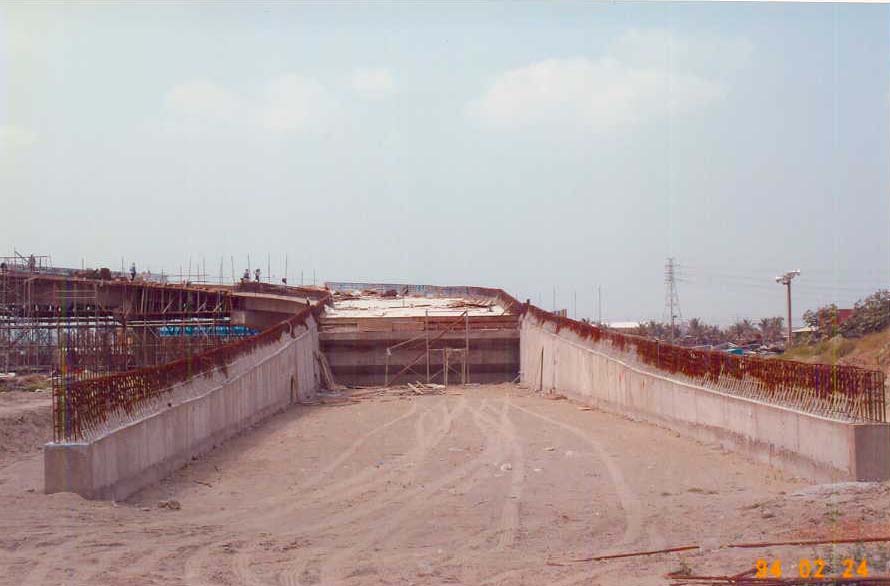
x: 202, y: 413
x: 804, y: 445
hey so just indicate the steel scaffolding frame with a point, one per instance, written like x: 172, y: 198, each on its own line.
x: 54, y: 322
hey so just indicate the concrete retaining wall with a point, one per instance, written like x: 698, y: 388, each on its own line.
x: 802, y: 444
x: 360, y: 358
x: 202, y: 413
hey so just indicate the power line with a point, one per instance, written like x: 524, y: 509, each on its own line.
x: 869, y: 276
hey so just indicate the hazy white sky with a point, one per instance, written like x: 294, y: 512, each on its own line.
x: 524, y: 145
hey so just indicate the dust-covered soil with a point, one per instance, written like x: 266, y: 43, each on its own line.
x: 479, y: 485
x: 25, y: 423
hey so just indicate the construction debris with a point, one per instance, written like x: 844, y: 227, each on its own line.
x: 464, y: 303
x: 631, y: 554
x: 426, y: 389
x: 327, y: 377
x: 811, y: 542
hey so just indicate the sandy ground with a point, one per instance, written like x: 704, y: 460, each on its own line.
x: 25, y: 424
x: 481, y: 485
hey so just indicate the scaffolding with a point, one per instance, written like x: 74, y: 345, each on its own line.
x: 455, y: 354
x: 77, y: 325
x: 26, y: 345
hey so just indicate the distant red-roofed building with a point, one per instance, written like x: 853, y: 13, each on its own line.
x: 843, y: 315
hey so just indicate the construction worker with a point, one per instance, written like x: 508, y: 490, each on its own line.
x: 245, y: 278
x: 257, y: 275
x: 133, y: 271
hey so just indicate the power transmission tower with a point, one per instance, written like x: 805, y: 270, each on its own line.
x: 671, y: 297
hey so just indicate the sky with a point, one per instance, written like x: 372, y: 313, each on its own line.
x: 549, y: 149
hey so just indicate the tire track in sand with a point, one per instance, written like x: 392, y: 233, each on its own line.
x: 630, y: 502
x: 194, y: 566
x: 414, y: 501
x: 510, y: 515
x: 508, y: 448
x: 364, y: 480
x: 380, y: 533
x: 46, y: 564
x: 425, y: 441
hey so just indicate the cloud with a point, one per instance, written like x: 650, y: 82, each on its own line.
x: 703, y: 55
x: 291, y: 102
x: 204, y: 99
x: 286, y: 103
x: 373, y: 83
x: 15, y: 137
x: 644, y: 74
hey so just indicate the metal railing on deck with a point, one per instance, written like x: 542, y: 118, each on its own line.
x: 81, y: 408
x: 831, y: 390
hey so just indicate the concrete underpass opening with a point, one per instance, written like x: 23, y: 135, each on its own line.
x: 382, y: 334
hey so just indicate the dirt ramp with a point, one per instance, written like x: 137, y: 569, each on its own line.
x: 25, y: 423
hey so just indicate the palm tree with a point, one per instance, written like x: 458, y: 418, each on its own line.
x: 765, y: 327
x: 742, y: 331
x: 695, y: 329
x: 771, y: 329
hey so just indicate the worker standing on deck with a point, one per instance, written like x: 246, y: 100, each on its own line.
x: 245, y: 278
x: 257, y: 275
x: 133, y: 271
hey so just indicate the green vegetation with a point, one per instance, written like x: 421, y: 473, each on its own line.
x: 870, y: 315
x: 824, y: 351
x: 696, y: 332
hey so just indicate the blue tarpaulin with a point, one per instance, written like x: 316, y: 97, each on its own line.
x: 203, y: 330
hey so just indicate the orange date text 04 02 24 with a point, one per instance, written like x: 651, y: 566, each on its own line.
x: 807, y: 568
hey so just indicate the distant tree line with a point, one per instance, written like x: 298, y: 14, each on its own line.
x: 696, y: 332
x: 869, y: 315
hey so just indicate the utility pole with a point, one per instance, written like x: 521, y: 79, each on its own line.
x: 786, y: 280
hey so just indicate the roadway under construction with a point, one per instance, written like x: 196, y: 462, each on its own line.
x: 372, y: 432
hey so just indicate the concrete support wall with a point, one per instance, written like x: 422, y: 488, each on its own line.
x: 201, y: 413
x: 802, y: 444
x: 360, y: 358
